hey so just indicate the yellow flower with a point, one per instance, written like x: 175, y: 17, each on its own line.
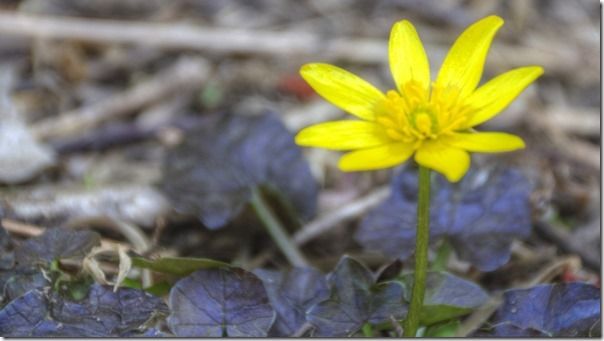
x: 433, y: 120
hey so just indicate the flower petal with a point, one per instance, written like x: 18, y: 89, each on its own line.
x: 408, y: 60
x: 499, y: 92
x: 485, y: 142
x: 462, y: 67
x: 451, y: 162
x: 343, y: 135
x: 376, y: 158
x: 343, y: 89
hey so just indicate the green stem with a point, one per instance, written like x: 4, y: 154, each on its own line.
x: 275, y: 229
x: 367, y: 330
x: 421, y: 253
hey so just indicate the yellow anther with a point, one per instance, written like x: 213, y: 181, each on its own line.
x: 423, y: 123
x: 411, y: 116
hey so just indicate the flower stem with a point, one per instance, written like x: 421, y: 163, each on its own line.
x: 421, y: 253
x: 275, y: 229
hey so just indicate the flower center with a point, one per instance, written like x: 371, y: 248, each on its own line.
x: 424, y: 123
x: 413, y: 116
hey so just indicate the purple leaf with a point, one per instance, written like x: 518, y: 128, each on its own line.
x: 220, y: 302
x: 480, y: 216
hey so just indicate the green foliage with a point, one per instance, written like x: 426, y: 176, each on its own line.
x: 447, y: 297
x: 178, y: 266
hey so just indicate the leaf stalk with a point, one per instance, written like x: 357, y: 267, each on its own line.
x: 276, y: 230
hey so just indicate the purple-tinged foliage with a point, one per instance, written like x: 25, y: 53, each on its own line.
x: 480, y: 216
x: 212, y: 173
x: 355, y: 299
x: 220, y: 302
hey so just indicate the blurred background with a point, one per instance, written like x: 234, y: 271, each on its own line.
x: 93, y: 93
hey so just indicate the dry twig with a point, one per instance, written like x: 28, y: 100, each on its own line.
x: 573, y: 149
x: 138, y: 240
x: 185, y: 73
x: 565, y: 242
x: 479, y: 317
x: 347, y: 212
x: 230, y: 40
x: 580, y: 121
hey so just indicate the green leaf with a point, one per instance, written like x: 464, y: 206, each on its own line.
x: 445, y: 329
x: 131, y: 283
x: 446, y: 297
x: 179, y: 266
x: 442, y: 256
x: 159, y: 289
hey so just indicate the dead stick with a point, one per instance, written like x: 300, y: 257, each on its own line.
x: 266, y: 43
x: 347, y: 212
x: 188, y: 36
x: 574, y: 149
x: 185, y: 73
x: 479, y: 316
x: 563, y: 240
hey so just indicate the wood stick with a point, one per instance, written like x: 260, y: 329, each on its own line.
x: 577, y: 150
x: 183, y: 74
x: 181, y: 35
x: 347, y: 212
x: 564, y: 241
x: 580, y: 121
x: 305, y: 45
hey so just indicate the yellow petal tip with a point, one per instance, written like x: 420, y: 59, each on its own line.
x: 455, y: 178
x: 403, y: 22
x: 299, y: 139
x: 307, y: 67
x: 305, y: 137
x: 314, y: 67
x: 497, y: 20
x: 539, y: 70
x: 515, y: 143
x: 345, y: 166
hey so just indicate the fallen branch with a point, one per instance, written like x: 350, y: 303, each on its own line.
x: 188, y: 36
x: 174, y: 35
